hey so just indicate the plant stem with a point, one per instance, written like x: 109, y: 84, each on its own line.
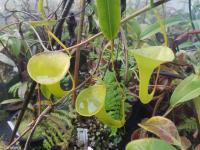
x: 77, y: 60
x: 21, y: 114
x: 168, y: 111
x: 18, y: 138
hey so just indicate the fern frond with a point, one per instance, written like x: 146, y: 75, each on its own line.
x: 188, y: 125
x: 114, y: 96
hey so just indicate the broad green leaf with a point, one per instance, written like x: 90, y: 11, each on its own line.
x: 154, y: 28
x: 163, y: 128
x: 187, y: 90
x: 14, y: 44
x: 134, y: 28
x: 48, y: 67
x: 6, y: 60
x: 109, y: 16
x: 148, y: 59
x: 43, y: 23
x: 149, y: 144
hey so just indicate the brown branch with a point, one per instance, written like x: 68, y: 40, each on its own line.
x: 77, y: 61
x: 38, y: 120
x: 18, y: 138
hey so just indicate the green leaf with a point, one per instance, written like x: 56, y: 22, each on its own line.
x: 134, y: 28
x: 10, y: 101
x: 187, y: 90
x: 149, y: 144
x: 109, y: 16
x: 163, y: 128
x: 6, y: 60
x: 154, y: 28
x: 14, y: 44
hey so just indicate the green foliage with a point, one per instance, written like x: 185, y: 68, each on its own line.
x: 114, y: 96
x: 163, y: 128
x: 109, y: 17
x: 149, y: 144
x: 155, y: 28
x: 6, y: 60
x: 188, y: 89
x: 14, y: 89
x: 15, y: 45
x: 57, y: 128
x: 189, y: 125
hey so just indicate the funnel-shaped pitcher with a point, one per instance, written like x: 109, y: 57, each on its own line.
x: 148, y: 59
x: 91, y: 101
x: 48, y: 67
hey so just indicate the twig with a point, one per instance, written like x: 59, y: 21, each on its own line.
x: 21, y: 114
x: 77, y: 61
x: 27, y: 13
x: 7, y: 26
x: 38, y: 120
x: 144, y: 9
x: 18, y: 138
x: 159, y: 100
